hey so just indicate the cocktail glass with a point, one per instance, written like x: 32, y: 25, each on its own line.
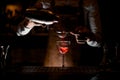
x: 63, y: 48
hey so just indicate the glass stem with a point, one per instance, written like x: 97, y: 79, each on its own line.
x: 63, y: 60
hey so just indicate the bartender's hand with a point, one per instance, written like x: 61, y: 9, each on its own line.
x: 42, y: 23
x: 90, y: 42
x: 31, y: 24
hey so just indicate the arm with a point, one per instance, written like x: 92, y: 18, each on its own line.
x: 95, y: 28
x: 25, y: 30
x: 31, y: 24
x: 90, y: 42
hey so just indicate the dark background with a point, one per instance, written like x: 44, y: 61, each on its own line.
x: 109, y: 11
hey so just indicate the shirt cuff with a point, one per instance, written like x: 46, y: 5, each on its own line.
x: 25, y: 31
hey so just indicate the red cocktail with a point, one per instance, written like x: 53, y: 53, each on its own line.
x: 63, y: 50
